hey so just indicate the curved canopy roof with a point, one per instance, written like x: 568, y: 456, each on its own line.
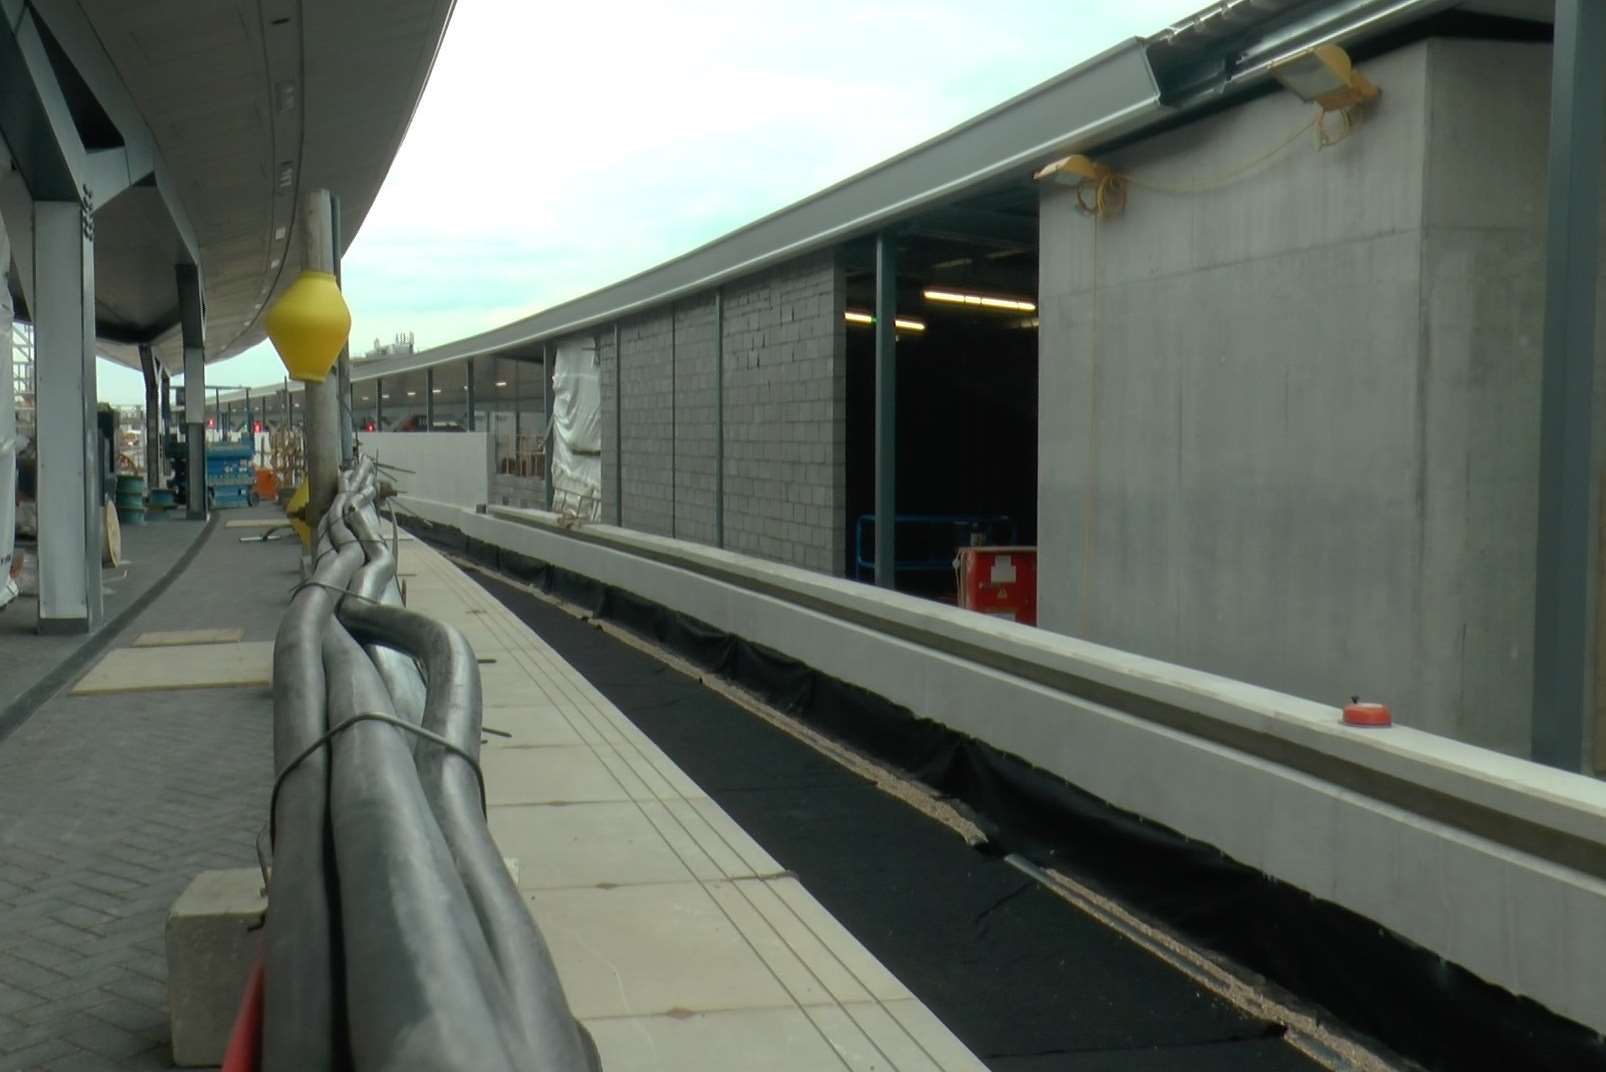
x: 198, y: 125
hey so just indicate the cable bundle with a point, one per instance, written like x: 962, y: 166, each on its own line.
x: 395, y: 937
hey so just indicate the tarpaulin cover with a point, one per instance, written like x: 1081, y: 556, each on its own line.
x: 1374, y: 981
x: 577, y: 430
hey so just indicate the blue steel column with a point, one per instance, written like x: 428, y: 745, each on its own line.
x: 886, y: 410
x: 1565, y: 576
x: 70, y: 493
x: 548, y: 367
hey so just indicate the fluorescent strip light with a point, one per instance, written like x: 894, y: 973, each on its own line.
x: 981, y: 301
x: 501, y: 383
x: 903, y: 323
x: 410, y: 394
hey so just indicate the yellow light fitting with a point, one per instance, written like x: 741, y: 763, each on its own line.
x: 981, y: 301
x: 1326, y: 76
x: 902, y: 323
x: 1074, y: 170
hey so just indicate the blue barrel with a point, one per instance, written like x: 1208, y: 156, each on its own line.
x: 131, y: 499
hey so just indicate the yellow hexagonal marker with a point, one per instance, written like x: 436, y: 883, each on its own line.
x: 296, y: 510
x: 308, y: 325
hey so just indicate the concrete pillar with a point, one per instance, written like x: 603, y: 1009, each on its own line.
x: 70, y: 493
x: 322, y: 400
x: 886, y: 411
x: 153, y: 417
x: 192, y: 324
x: 1565, y: 579
x: 548, y: 366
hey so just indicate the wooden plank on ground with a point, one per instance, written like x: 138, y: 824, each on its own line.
x: 174, y: 637
x: 187, y: 666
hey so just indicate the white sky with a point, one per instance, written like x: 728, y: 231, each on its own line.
x: 560, y: 147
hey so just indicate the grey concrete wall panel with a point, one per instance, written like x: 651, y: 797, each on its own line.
x: 1291, y: 434
x: 1474, y: 899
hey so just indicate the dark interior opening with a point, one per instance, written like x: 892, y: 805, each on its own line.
x: 967, y: 398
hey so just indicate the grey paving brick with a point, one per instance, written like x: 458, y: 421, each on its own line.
x: 38, y: 1054
x: 109, y: 810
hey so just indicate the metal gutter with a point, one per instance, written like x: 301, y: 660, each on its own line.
x: 1217, y: 53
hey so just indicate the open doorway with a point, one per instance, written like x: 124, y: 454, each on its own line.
x: 967, y: 391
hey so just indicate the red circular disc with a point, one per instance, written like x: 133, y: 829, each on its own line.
x: 1367, y: 714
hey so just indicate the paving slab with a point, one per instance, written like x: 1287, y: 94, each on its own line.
x: 163, y: 638
x: 183, y: 666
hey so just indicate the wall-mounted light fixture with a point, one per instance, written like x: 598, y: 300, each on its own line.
x: 501, y: 383
x: 1325, y: 76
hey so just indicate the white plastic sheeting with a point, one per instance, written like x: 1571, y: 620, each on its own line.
x: 576, y: 464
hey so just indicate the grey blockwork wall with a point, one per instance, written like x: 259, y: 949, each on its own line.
x: 646, y: 361
x: 786, y: 415
x: 695, y: 399
x: 610, y: 425
x: 1290, y: 426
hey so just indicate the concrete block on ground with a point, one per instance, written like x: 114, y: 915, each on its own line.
x: 213, y: 936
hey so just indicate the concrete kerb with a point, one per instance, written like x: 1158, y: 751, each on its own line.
x: 1468, y: 897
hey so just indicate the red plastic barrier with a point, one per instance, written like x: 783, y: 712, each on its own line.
x: 245, y: 1041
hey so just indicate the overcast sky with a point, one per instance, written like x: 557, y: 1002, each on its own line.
x: 560, y: 147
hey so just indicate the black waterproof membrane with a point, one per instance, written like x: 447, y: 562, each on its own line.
x: 1022, y: 1015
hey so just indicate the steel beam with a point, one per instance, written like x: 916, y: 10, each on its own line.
x: 192, y: 325
x: 1564, y: 596
x: 70, y: 451
x: 886, y: 409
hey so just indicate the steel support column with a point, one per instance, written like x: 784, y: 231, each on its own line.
x: 379, y: 403
x: 70, y: 452
x: 886, y: 410
x: 192, y: 321
x: 323, y: 418
x: 1564, y: 596
x: 8, y: 434
x: 348, y: 415
x: 153, y: 417
x: 719, y: 417
x: 468, y: 390
x: 548, y: 366
x: 429, y: 400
